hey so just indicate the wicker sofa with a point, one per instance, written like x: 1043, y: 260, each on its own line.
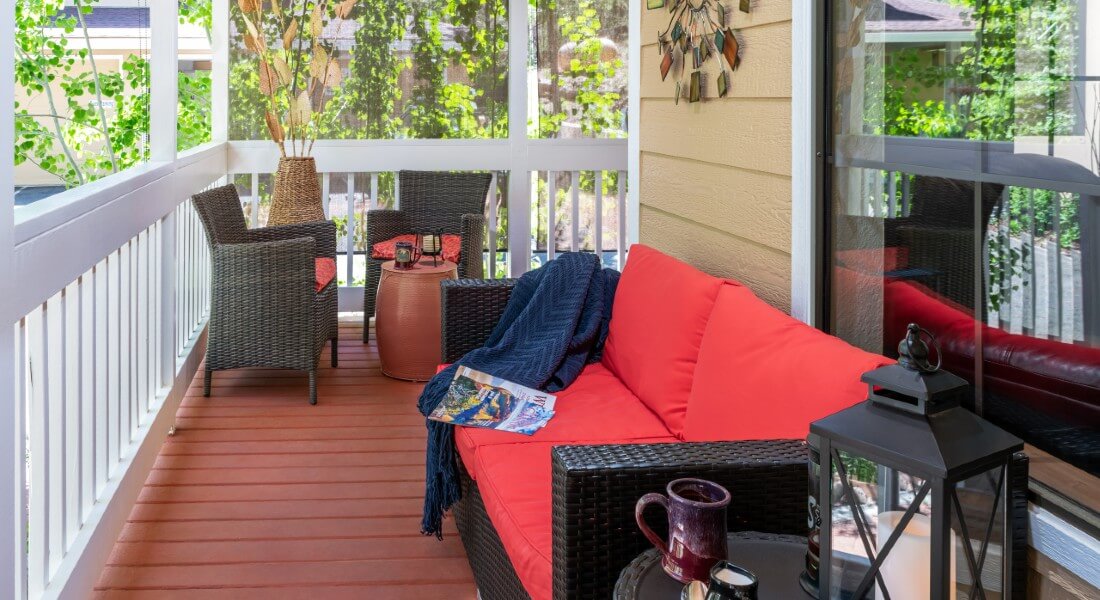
x: 551, y: 515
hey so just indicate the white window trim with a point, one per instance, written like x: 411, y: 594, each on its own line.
x: 806, y: 87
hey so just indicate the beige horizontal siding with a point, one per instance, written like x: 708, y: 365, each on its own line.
x: 716, y: 175
x: 763, y: 268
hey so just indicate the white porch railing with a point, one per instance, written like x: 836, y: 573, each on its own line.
x: 113, y: 296
x: 114, y: 300
x: 527, y: 178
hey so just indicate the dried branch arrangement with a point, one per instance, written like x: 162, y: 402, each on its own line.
x: 297, y: 66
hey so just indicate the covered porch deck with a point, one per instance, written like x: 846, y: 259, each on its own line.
x: 259, y: 495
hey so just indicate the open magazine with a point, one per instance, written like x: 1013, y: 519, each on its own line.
x: 477, y: 399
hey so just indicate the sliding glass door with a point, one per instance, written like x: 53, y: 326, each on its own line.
x: 963, y: 194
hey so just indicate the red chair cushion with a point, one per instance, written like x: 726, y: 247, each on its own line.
x: 324, y: 271
x: 452, y: 247
x: 515, y: 484
x: 596, y: 408
x: 657, y: 322
x: 763, y: 374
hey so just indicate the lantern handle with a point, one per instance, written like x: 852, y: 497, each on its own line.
x: 932, y: 343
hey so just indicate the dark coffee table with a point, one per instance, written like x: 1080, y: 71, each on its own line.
x: 777, y: 561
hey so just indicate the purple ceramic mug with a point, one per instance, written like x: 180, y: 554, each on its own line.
x: 696, y: 527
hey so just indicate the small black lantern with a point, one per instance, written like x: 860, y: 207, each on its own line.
x: 914, y: 491
x: 431, y: 244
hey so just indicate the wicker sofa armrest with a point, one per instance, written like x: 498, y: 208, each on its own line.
x: 473, y: 244
x: 595, y: 489
x: 385, y: 224
x: 470, y: 310
x: 322, y: 232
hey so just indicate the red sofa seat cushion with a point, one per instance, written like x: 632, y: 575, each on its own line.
x: 657, y: 322
x: 515, y: 484
x: 324, y: 270
x: 597, y: 407
x: 763, y: 374
x: 452, y: 247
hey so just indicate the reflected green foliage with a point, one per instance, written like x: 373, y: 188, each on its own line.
x: 1017, y: 82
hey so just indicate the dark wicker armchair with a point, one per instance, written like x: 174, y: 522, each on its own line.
x: 595, y: 487
x: 264, y: 310
x: 431, y: 202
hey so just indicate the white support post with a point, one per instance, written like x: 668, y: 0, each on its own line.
x: 163, y: 74
x: 519, y: 176
x: 633, y: 125
x: 219, y: 73
x: 13, y: 519
x: 806, y: 163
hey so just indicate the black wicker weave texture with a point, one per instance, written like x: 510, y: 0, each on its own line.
x: 264, y: 311
x: 596, y: 487
x: 431, y: 202
x: 471, y: 308
x: 496, y: 578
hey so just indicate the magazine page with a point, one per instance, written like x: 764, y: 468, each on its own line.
x: 477, y: 399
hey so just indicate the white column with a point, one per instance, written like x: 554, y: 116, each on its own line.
x: 633, y: 126
x: 805, y: 164
x: 219, y: 73
x: 163, y: 74
x: 12, y: 519
x: 519, y: 177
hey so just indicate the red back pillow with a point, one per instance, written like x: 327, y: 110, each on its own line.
x: 657, y: 322
x: 763, y: 374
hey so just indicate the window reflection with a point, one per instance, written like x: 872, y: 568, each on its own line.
x: 965, y: 197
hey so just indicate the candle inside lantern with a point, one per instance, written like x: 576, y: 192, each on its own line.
x: 732, y: 577
x: 907, y: 568
x: 431, y: 244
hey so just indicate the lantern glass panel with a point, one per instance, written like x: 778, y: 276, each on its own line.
x: 863, y: 513
x: 982, y: 505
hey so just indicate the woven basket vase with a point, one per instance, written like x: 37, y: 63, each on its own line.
x: 297, y: 197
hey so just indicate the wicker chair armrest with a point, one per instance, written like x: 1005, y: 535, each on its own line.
x: 384, y: 224
x: 323, y: 233
x: 473, y: 244
x: 470, y: 310
x: 595, y: 489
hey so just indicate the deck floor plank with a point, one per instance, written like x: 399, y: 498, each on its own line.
x: 259, y: 495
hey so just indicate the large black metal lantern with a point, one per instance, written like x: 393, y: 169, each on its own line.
x: 916, y: 493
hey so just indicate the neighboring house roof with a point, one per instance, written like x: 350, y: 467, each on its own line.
x: 922, y: 16
x: 113, y: 18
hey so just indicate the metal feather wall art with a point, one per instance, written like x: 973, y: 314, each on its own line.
x: 697, y: 32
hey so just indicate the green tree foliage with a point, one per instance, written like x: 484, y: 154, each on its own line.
x: 95, y: 122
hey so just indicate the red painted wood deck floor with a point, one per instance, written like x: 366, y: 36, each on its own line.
x: 260, y: 495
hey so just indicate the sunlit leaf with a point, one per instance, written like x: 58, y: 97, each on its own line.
x: 290, y: 33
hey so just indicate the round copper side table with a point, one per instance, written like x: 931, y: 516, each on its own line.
x: 407, y: 322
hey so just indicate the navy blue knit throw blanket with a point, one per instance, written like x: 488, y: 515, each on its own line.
x: 554, y: 324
